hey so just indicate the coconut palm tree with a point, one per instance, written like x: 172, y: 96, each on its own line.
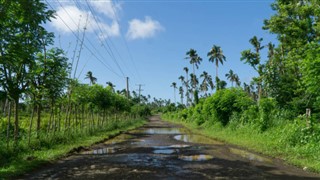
x: 187, y: 85
x: 181, y: 91
x: 216, y: 56
x: 194, y: 81
x: 111, y: 85
x: 256, y: 43
x: 174, y: 85
x: 195, y: 60
x: 206, y: 82
x: 231, y: 76
x: 237, y: 80
x: 92, y: 79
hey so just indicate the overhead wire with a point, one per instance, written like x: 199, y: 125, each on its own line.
x: 110, y: 52
x: 126, y: 45
x: 78, y: 38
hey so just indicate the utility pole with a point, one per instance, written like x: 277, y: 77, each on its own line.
x: 127, y: 87
x: 140, y: 85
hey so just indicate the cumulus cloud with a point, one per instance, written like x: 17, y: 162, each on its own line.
x: 141, y: 29
x: 108, y: 8
x: 77, y: 19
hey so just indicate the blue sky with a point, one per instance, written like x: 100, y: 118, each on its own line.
x: 148, y: 40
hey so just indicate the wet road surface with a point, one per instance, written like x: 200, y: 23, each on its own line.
x: 162, y: 150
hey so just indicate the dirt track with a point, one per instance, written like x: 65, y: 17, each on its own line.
x: 161, y: 150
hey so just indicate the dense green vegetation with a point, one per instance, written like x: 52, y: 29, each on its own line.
x: 44, y: 113
x: 278, y: 111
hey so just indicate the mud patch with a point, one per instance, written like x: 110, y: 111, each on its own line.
x: 250, y: 156
x: 199, y: 157
x: 196, y: 139
x: 119, y: 139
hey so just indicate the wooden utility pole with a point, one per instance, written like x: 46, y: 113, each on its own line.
x: 128, y: 87
x: 140, y: 85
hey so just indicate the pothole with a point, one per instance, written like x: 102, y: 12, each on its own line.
x: 179, y: 146
x: 199, y: 157
x: 196, y: 139
x: 158, y: 131
x: 164, y: 151
x: 101, y: 151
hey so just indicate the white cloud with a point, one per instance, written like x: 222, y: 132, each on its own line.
x: 108, y: 8
x: 79, y: 19
x: 139, y: 29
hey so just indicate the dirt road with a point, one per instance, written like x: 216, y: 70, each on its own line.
x: 161, y: 150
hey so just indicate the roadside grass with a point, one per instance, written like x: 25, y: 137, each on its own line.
x: 273, y: 142
x: 25, y: 160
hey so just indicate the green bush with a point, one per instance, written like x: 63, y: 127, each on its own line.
x: 266, y: 110
x: 225, y: 102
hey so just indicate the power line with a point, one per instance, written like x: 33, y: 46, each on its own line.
x: 110, y: 52
x: 78, y: 38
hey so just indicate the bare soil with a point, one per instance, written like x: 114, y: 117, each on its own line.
x: 162, y: 150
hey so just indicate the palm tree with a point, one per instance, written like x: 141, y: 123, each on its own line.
x: 92, y: 79
x: 174, y: 85
x: 256, y: 43
x: 206, y: 82
x: 220, y: 84
x: 216, y: 56
x: 181, y: 91
x: 194, y: 81
x: 187, y: 85
x: 111, y: 85
x: 231, y: 76
x: 195, y: 60
x: 237, y: 80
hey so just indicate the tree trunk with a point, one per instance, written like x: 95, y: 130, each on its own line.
x: 8, y: 126
x: 16, y: 121
x: 30, y: 125
x: 39, y: 109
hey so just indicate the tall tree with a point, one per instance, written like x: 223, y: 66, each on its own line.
x: 174, y: 85
x: 181, y: 92
x: 233, y: 78
x: 187, y: 85
x: 91, y: 78
x: 206, y: 82
x: 216, y: 56
x: 195, y: 59
x: 254, y: 60
x: 49, y: 78
x: 21, y: 33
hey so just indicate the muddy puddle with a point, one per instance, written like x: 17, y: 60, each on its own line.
x: 109, y: 150
x: 119, y: 139
x: 250, y: 156
x: 164, y: 151
x: 196, y: 139
x: 199, y: 157
x: 158, y: 131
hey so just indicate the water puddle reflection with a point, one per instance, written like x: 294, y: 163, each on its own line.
x: 101, y: 151
x: 196, y: 139
x: 179, y: 146
x: 248, y: 155
x: 164, y: 151
x: 199, y: 157
x: 158, y: 131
